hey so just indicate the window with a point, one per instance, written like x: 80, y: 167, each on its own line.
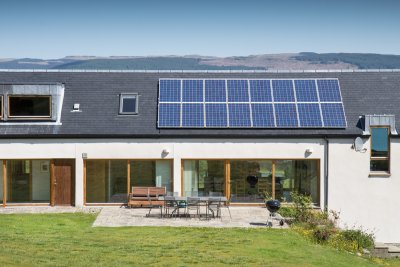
x: 28, y: 181
x: 128, y: 104
x: 380, y: 150
x: 1, y: 106
x: 29, y: 106
x: 203, y: 178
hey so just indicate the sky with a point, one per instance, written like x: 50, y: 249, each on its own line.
x: 57, y: 28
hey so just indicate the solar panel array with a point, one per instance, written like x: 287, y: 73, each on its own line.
x: 250, y: 103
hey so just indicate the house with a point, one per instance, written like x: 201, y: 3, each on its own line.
x: 85, y: 137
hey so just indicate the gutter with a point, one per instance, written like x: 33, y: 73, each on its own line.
x: 326, y: 167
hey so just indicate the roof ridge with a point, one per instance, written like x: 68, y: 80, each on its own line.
x: 202, y: 71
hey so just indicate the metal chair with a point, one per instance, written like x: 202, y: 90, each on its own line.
x: 193, y: 203
x: 169, y: 204
x: 214, y: 205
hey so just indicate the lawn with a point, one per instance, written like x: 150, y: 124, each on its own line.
x: 69, y: 240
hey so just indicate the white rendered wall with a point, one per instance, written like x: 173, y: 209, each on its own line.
x: 152, y: 149
x: 371, y: 202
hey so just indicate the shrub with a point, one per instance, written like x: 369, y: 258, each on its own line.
x: 362, y: 239
x: 288, y: 212
x: 321, y: 234
x: 302, y: 207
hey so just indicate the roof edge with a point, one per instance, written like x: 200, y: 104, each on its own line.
x: 203, y: 71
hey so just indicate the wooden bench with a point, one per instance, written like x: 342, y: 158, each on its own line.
x: 143, y: 196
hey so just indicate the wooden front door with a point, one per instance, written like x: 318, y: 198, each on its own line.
x: 63, y: 182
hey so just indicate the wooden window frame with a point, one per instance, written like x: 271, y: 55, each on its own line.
x: 121, y: 103
x: 227, y: 164
x: 380, y: 158
x: 128, y: 178
x: 11, y: 117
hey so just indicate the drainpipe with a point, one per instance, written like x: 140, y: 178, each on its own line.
x: 326, y: 167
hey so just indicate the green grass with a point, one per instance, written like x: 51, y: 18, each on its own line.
x: 69, y: 240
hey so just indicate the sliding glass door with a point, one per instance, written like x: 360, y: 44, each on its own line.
x: 28, y: 181
x: 107, y: 181
x: 251, y: 180
x: 203, y: 178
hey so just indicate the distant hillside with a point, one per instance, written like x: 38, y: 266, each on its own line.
x: 293, y: 61
x: 362, y: 61
x: 150, y: 63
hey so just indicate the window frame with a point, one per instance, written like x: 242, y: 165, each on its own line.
x: 372, y: 158
x: 121, y: 103
x: 13, y: 117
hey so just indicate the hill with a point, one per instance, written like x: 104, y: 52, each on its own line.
x: 290, y: 61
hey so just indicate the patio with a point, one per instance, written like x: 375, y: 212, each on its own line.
x: 244, y: 217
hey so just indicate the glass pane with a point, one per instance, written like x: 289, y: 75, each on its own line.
x: 204, y: 178
x: 151, y: 173
x: 29, y: 106
x: 129, y: 105
x: 250, y: 180
x: 28, y: 181
x: 380, y: 142
x: 379, y: 165
x: 106, y: 181
x: 296, y: 175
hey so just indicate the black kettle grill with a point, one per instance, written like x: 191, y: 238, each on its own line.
x: 273, y: 205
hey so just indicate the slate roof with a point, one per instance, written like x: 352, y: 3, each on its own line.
x: 98, y: 96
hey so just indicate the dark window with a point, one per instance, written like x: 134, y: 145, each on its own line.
x: 128, y: 104
x: 380, y: 150
x: 29, y: 106
x: 1, y: 106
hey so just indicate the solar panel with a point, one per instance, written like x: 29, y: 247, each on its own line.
x: 260, y: 91
x: 192, y: 115
x: 306, y: 91
x: 238, y: 91
x: 333, y: 115
x: 169, y: 115
x: 286, y: 115
x: 283, y: 90
x: 309, y: 115
x: 263, y: 115
x: 239, y: 115
x: 247, y: 103
x: 329, y: 90
x: 216, y: 115
x: 215, y: 91
x: 171, y: 91
x: 192, y: 91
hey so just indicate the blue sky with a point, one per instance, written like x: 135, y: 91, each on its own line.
x: 53, y: 29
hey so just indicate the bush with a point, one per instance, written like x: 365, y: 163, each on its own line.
x: 287, y: 212
x: 321, y: 234
x: 321, y: 227
x: 362, y: 239
x: 302, y: 207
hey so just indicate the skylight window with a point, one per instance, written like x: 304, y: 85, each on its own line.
x: 30, y: 107
x: 128, y: 104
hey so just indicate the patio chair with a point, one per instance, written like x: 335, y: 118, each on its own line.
x: 169, y: 204
x: 193, y: 203
x: 214, y: 205
x: 227, y: 204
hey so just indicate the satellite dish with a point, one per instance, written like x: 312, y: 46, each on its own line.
x: 358, y: 144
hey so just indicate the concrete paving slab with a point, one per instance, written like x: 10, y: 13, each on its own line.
x: 245, y: 217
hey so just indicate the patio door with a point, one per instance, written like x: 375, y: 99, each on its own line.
x: 63, y: 182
